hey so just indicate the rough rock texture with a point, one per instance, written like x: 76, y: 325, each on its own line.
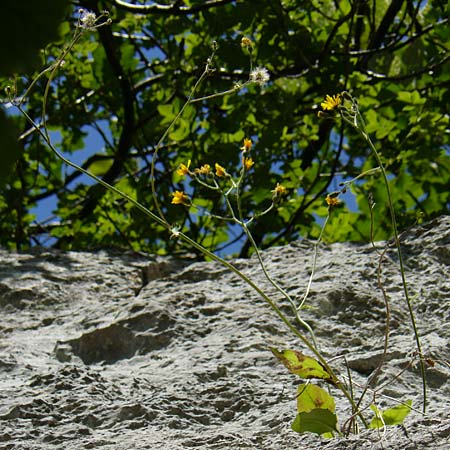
x: 121, y: 351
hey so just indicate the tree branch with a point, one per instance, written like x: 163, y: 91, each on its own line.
x: 174, y: 9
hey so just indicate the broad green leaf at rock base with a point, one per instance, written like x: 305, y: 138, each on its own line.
x: 316, y: 411
x: 311, y: 397
x: 319, y: 421
x: 391, y: 416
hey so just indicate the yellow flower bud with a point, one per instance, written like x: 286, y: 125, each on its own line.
x: 220, y: 171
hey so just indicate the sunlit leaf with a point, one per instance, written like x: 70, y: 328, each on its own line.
x: 316, y: 411
x: 181, y: 131
x: 301, y: 365
x: 311, y: 397
x: 101, y: 166
x: 391, y: 416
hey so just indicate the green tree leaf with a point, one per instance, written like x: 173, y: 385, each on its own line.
x: 101, y: 166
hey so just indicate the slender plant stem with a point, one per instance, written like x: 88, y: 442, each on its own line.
x: 402, y: 270
x: 167, y: 131
x: 313, y: 269
x: 356, y: 120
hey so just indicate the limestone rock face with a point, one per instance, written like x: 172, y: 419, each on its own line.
x: 121, y: 351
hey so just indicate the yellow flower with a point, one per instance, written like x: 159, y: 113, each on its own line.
x: 183, y: 169
x: 332, y: 201
x: 220, y: 171
x: 246, y: 43
x: 204, y: 170
x: 278, y: 191
x: 248, y: 163
x: 180, y: 198
x: 247, y: 145
x: 331, y: 102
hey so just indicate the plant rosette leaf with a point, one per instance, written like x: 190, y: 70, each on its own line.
x: 391, y: 416
x: 301, y: 365
x: 316, y: 411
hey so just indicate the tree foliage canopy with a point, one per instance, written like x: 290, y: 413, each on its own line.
x: 126, y: 82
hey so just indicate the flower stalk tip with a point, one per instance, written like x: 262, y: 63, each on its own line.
x: 247, y: 43
x: 203, y: 170
x: 88, y: 19
x: 278, y: 192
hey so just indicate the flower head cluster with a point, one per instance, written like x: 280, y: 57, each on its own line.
x: 203, y: 170
x: 332, y: 201
x: 331, y: 102
x: 260, y: 75
x: 247, y: 43
x: 220, y: 171
x: 88, y: 19
x: 183, y: 169
x: 278, y: 192
x: 180, y: 198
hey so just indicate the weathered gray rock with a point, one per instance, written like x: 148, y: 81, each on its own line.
x: 121, y: 351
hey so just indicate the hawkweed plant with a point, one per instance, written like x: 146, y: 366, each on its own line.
x: 315, y: 405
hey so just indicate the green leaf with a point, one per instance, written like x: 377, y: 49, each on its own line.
x: 181, y: 131
x: 311, y: 397
x: 392, y: 416
x: 319, y: 421
x: 166, y: 111
x: 100, y: 167
x: 127, y: 58
x: 315, y: 411
x: 411, y: 97
x: 301, y: 365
